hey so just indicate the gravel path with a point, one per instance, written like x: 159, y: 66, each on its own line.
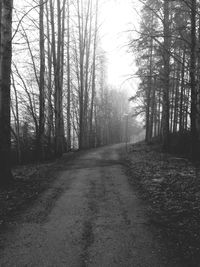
x: 90, y: 217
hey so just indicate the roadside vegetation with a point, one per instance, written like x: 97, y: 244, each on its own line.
x: 170, y: 185
x: 53, y: 82
x: 168, y: 59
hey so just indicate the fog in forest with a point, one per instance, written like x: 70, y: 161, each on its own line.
x: 71, y: 77
x: 100, y: 111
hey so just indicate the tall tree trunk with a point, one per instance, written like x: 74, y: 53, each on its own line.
x: 198, y: 80
x: 172, y: 98
x: 49, y: 85
x: 149, y: 92
x: 17, y: 122
x: 40, y: 137
x: 0, y: 20
x: 93, y: 77
x: 152, y: 108
x: 155, y: 117
x: 57, y: 60
x: 88, y: 37
x: 181, y: 124
x: 166, y: 58
x: 5, y: 80
x: 68, y: 80
x: 58, y: 90
x: 81, y: 66
x: 159, y: 112
x: 176, y: 97
x: 194, y: 134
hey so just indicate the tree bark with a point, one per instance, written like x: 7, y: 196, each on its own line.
x: 92, y: 143
x: 40, y: 137
x: 194, y: 134
x: 17, y: 122
x: 49, y: 86
x: 166, y: 58
x: 57, y: 60
x: 68, y: 81
x: 5, y: 80
x: 176, y: 98
x: 181, y: 124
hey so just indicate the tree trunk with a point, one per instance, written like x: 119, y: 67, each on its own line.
x: 49, y: 86
x: 40, y: 137
x: 194, y: 134
x: 58, y: 98
x: 68, y: 81
x: 152, y: 108
x: 5, y: 80
x: 58, y: 90
x: 176, y: 97
x: 81, y: 62
x: 92, y: 143
x: 172, y: 98
x: 166, y: 58
x: 181, y: 124
x: 17, y: 122
x: 159, y: 112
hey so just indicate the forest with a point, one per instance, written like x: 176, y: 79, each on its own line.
x: 54, y: 92
x: 168, y: 59
x: 54, y: 95
x: 90, y: 174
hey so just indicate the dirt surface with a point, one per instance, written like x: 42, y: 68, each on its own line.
x: 30, y: 181
x: 91, y: 216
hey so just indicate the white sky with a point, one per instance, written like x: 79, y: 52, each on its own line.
x: 118, y: 17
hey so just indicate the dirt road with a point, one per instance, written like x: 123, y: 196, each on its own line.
x: 90, y: 217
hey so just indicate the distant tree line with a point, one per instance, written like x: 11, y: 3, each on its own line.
x: 55, y: 98
x: 168, y: 59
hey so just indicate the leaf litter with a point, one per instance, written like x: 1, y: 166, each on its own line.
x: 171, y: 185
x: 30, y: 181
